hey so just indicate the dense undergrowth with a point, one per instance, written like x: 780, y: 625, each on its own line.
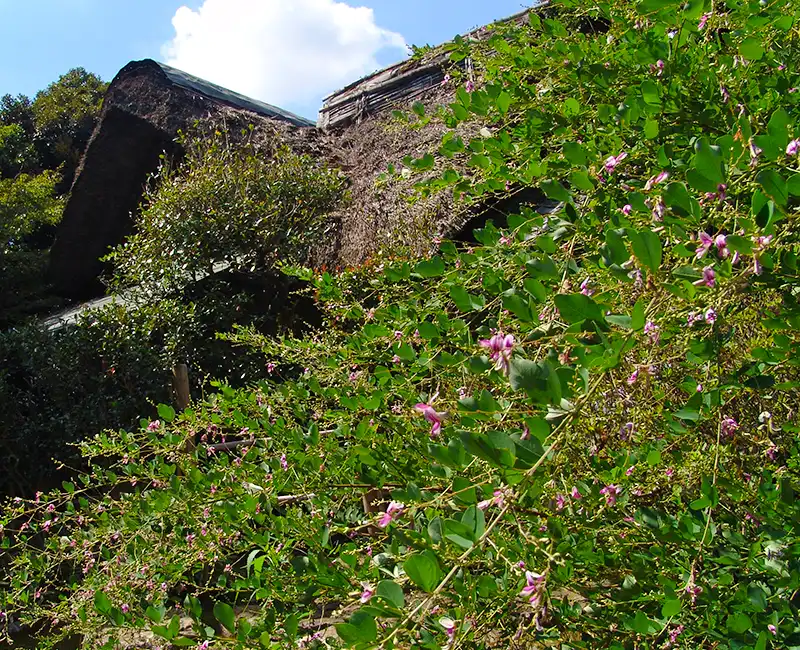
x: 580, y: 432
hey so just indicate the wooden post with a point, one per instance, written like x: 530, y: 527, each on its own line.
x: 180, y: 384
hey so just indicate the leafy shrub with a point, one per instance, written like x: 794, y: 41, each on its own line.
x: 230, y: 205
x: 580, y: 433
x: 27, y: 204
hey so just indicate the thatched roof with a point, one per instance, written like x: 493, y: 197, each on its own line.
x: 145, y: 106
x: 148, y: 103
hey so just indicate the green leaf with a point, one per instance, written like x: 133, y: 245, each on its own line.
x: 537, y: 378
x: 708, y: 171
x: 650, y: 93
x: 739, y: 623
x: 166, y: 412
x: 739, y: 244
x: 556, y: 191
x: 581, y: 180
x: 391, y: 592
x: 102, y: 603
x: 474, y: 519
x: 794, y: 185
x: 423, y: 570
x: 431, y: 268
x: 361, y: 628
x: 466, y: 301
x: 576, y: 308
x: 224, y: 614
x: 458, y: 533
x: 575, y: 153
x: 504, y: 102
x: 778, y: 128
x: 751, y: 49
x: 571, y: 107
x: 774, y: 186
x: 638, y: 315
x: 651, y: 129
x: 670, y: 608
x: 643, y: 625
x: 155, y: 614
x: 495, y: 447
x: 654, y: 457
x: 646, y: 248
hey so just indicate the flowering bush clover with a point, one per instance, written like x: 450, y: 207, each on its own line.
x: 624, y: 479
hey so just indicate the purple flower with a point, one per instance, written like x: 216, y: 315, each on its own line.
x: 612, y: 161
x: 561, y: 500
x: 703, y: 20
x: 270, y: 367
x: 586, y: 290
x: 627, y: 209
x: 669, y: 472
x: 394, y: 510
x: 534, y: 581
x: 651, y: 330
x: 726, y: 97
x: 469, y: 86
x: 446, y: 80
x: 755, y: 152
x: 655, y: 180
x: 706, y: 242
x: 630, y: 470
x: 125, y: 608
x: 708, y: 279
x: 611, y: 492
x: 659, y: 209
x: 155, y: 425
x: 711, y: 316
x: 676, y: 632
x: 634, y: 376
x: 369, y: 592
x: 501, y: 347
x: 284, y: 463
x: 772, y: 452
x: 626, y: 431
x: 792, y: 148
x: 772, y: 629
x: 433, y: 416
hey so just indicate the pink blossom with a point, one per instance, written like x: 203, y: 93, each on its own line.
x: 394, y: 510
x: 433, y: 416
x: 711, y: 316
x: 369, y: 592
x: 627, y: 209
x: 612, y: 161
x: 446, y: 80
x: 706, y: 243
x: 630, y: 470
x: 125, y: 608
x: 634, y: 376
x: 501, y: 347
x: 771, y: 453
x: 675, y: 632
x: 270, y: 367
x: 708, y: 279
x: 655, y: 180
x: 729, y: 426
x: 659, y: 209
x: 772, y: 629
x: 526, y: 433
x: 651, y: 330
x: 469, y: 86
x: 793, y: 148
x: 284, y: 462
x: 703, y: 20
x: 561, y: 500
x: 586, y: 290
x: 396, y: 359
x: 669, y: 472
x: 155, y: 425
x: 534, y: 581
x: 576, y: 494
x: 611, y: 492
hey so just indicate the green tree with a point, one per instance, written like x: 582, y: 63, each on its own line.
x: 27, y: 204
x: 65, y: 114
x: 16, y: 151
x: 231, y: 205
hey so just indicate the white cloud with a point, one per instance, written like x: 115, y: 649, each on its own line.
x: 285, y: 52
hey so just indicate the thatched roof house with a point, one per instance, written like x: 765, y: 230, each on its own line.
x: 146, y: 105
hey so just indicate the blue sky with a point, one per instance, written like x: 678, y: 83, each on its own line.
x: 286, y: 52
